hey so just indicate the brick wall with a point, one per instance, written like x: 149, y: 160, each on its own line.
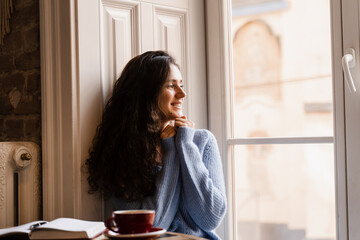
x: 20, y: 86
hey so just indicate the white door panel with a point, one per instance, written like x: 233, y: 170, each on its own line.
x: 120, y: 39
x: 147, y: 30
x: 129, y: 28
x: 170, y: 33
x: 176, y: 4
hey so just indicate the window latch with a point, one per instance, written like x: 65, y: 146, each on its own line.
x: 349, y: 61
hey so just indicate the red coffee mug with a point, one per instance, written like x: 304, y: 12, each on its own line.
x: 131, y: 221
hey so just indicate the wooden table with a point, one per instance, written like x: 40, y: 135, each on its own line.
x: 165, y: 236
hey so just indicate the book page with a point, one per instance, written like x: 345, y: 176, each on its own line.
x: 70, y: 224
x: 22, y: 229
x: 68, y: 228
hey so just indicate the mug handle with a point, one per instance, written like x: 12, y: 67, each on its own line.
x: 109, y: 225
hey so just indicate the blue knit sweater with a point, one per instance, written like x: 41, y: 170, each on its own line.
x: 190, y: 196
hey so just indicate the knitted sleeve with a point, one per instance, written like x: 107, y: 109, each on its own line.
x: 165, y: 201
x: 202, y: 177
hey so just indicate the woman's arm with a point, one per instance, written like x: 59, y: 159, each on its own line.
x: 165, y: 201
x: 202, y: 177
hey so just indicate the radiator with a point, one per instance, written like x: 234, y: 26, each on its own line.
x: 20, y: 183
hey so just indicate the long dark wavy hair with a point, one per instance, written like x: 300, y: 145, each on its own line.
x: 124, y: 158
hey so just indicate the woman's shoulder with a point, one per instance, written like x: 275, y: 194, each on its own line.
x: 204, y: 134
x: 200, y: 137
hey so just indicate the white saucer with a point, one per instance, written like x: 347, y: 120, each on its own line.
x: 154, y: 232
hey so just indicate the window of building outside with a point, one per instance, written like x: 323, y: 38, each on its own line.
x: 282, y: 90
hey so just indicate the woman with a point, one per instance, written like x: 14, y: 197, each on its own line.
x: 147, y: 155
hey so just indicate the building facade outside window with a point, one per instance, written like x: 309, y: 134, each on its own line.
x: 282, y: 88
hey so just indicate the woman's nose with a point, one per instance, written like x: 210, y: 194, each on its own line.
x: 180, y: 92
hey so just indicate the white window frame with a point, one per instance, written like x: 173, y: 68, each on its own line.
x: 351, y: 117
x: 219, y: 59
x: 219, y: 52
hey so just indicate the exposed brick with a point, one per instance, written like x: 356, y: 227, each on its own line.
x: 19, y: 4
x: 6, y: 63
x: 32, y: 128
x: 28, y: 61
x: 1, y: 127
x: 25, y: 17
x: 13, y: 42
x: 5, y: 105
x: 10, y: 81
x: 29, y: 104
x: 20, y: 69
x: 34, y: 82
x: 31, y: 39
x: 14, y: 128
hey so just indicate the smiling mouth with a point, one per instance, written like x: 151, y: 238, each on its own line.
x: 177, y: 105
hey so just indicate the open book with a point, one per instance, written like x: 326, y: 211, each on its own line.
x: 61, y: 228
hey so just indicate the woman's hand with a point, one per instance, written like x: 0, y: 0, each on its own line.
x: 168, y: 131
x: 184, y: 122
x: 171, y: 129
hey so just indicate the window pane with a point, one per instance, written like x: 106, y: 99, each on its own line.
x: 282, y: 68
x: 284, y: 192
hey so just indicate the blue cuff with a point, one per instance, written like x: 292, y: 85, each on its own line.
x: 185, y: 134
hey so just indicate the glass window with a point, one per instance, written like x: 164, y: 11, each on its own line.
x: 282, y: 71
x: 281, y: 94
x: 285, y: 191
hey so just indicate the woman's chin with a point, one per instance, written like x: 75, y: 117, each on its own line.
x: 174, y: 115
x: 178, y: 116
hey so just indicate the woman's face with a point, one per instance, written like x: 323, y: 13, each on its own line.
x: 172, y: 95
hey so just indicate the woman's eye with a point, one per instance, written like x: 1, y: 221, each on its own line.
x: 174, y: 85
